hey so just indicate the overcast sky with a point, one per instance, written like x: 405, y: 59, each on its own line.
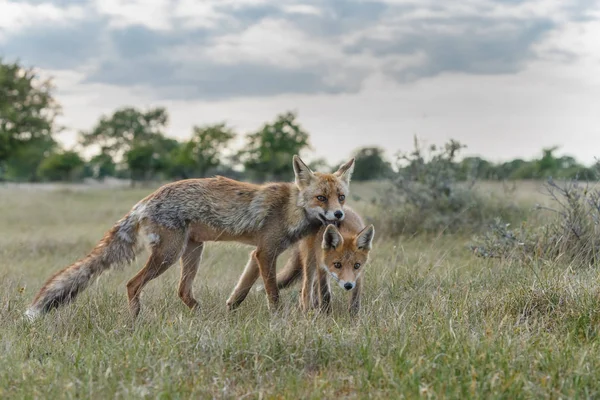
x: 504, y: 77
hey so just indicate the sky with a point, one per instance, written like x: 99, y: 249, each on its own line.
x: 506, y: 78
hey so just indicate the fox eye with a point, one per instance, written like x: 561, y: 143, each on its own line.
x: 357, y: 266
x: 338, y: 265
x: 321, y: 198
x: 342, y: 197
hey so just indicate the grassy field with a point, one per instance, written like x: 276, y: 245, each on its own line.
x: 436, y: 321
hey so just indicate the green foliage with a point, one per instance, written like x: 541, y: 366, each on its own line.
x: 203, y: 152
x: 24, y: 161
x: 62, y: 166
x: 548, y: 165
x: 268, y: 152
x: 136, y: 137
x: 126, y: 128
x: 27, y: 113
x: 370, y: 164
x: 146, y: 160
x: 476, y: 167
x: 428, y: 195
x: 101, y: 166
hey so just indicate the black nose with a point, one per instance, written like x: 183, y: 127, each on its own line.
x: 338, y: 214
x: 348, y: 286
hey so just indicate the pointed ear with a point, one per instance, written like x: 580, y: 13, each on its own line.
x: 364, y: 240
x: 332, y: 238
x: 303, y: 174
x: 345, y: 171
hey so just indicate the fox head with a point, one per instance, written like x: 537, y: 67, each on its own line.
x: 323, y: 195
x: 344, y: 258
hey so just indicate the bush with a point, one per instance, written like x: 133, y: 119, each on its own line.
x: 62, y: 166
x: 570, y: 232
x: 101, y: 166
x: 370, y: 164
x: 429, y: 194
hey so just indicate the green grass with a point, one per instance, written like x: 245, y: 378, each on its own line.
x: 436, y: 322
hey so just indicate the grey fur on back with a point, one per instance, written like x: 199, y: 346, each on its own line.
x: 241, y: 208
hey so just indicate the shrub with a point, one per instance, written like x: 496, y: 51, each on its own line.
x: 570, y: 231
x: 429, y: 194
x: 61, y: 166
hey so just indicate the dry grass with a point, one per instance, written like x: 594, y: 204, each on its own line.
x: 436, y: 322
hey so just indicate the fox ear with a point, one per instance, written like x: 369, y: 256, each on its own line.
x: 332, y: 238
x: 303, y: 174
x: 364, y: 240
x: 345, y: 171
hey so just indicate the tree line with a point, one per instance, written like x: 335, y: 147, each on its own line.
x: 131, y: 143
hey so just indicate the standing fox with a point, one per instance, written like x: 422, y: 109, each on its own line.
x: 334, y: 253
x: 180, y: 216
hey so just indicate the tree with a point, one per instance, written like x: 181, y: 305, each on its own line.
x: 544, y: 167
x: 147, y: 160
x: 508, y: 170
x: 24, y: 160
x: 269, y: 152
x: 548, y: 165
x: 101, y: 166
x: 477, y: 168
x: 370, y: 164
x: 27, y: 120
x: 62, y: 166
x: 203, y: 152
x: 125, y: 128
x: 135, y: 137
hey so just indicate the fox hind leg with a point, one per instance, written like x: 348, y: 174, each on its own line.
x: 190, y: 261
x: 165, y: 252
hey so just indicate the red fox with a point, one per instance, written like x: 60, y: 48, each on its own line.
x: 339, y: 253
x: 180, y: 216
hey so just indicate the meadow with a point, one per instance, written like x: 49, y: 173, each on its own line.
x: 436, y: 321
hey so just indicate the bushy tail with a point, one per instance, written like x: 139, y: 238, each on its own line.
x: 117, y: 247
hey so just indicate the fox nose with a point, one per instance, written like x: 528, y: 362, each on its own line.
x: 338, y: 214
x: 348, y: 286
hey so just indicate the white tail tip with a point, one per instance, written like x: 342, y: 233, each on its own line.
x: 32, y: 314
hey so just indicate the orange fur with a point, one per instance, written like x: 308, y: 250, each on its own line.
x: 331, y: 253
x: 180, y: 216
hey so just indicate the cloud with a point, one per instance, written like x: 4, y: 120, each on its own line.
x: 469, y: 46
x: 66, y: 46
x: 215, y: 81
x: 17, y: 16
x: 138, y: 41
x: 268, y: 58
x: 226, y: 49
